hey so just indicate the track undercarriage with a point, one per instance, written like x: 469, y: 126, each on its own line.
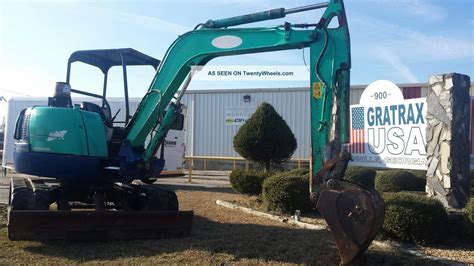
x: 42, y: 209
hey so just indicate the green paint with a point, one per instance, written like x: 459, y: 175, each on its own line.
x: 330, y: 65
x: 239, y: 20
x: 96, y: 137
x: 66, y: 131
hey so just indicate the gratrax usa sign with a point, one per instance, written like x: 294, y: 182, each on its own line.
x: 388, y: 131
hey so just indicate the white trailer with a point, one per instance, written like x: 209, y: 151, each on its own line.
x: 174, y: 147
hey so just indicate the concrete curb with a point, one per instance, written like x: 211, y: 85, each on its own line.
x: 270, y: 216
x: 215, y: 178
x: 323, y: 227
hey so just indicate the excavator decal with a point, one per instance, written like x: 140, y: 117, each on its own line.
x: 56, y: 135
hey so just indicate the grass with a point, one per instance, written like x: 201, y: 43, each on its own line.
x: 219, y: 235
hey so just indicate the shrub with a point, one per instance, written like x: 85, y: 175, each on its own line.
x: 415, y: 184
x: 470, y: 216
x: 265, y: 138
x: 398, y: 180
x: 361, y: 175
x: 419, y: 182
x: 413, y: 218
x: 470, y: 210
x: 472, y: 183
x: 419, y: 173
x: 286, y: 193
x: 295, y: 172
x: 247, y: 182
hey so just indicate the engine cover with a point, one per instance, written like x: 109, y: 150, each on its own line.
x: 65, y: 131
x: 64, y: 143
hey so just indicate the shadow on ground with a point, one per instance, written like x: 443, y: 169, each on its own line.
x: 251, y: 241
x: 186, y: 187
x: 213, y: 242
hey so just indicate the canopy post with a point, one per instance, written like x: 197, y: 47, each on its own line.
x: 125, y: 88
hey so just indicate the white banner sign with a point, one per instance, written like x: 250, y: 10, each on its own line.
x: 250, y: 73
x: 388, y: 131
x: 236, y: 116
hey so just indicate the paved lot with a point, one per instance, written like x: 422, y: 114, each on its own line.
x: 4, y: 182
x: 201, y: 179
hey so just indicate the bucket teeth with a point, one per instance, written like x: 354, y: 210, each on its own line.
x: 354, y: 215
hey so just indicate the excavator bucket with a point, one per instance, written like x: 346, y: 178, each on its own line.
x: 354, y: 215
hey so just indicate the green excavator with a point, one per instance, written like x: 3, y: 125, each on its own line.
x: 97, y: 164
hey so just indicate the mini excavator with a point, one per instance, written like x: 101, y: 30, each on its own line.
x: 99, y: 165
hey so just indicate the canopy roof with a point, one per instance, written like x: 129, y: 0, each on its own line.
x: 107, y: 58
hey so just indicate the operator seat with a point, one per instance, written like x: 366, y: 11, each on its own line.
x: 92, y: 107
x: 106, y: 119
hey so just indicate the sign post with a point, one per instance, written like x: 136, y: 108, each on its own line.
x: 448, y: 139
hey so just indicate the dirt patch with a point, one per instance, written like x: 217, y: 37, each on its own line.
x: 219, y: 235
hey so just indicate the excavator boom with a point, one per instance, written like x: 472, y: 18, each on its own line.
x: 337, y: 200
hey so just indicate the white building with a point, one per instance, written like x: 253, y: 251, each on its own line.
x: 209, y: 135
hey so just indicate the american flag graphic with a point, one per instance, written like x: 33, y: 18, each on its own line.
x: 357, y: 143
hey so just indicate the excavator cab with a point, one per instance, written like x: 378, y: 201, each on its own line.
x: 105, y: 59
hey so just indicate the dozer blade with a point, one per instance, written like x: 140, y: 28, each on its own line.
x: 354, y: 215
x: 98, y: 225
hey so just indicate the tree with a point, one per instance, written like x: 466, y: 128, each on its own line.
x: 265, y: 137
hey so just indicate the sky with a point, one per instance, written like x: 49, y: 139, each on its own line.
x: 403, y: 41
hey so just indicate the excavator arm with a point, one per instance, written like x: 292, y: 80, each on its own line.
x: 330, y: 60
x: 196, y: 48
x: 354, y: 214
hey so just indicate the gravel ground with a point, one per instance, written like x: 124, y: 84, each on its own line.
x: 463, y: 253
x: 219, y: 235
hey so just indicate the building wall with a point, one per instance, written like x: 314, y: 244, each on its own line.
x: 208, y: 135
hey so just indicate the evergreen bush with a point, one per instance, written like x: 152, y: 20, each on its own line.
x: 398, y: 180
x: 265, y: 138
x: 470, y: 217
x: 418, y: 173
x: 247, y: 182
x: 413, y: 218
x: 472, y: 184
x: 295, y: 172
x: 361, y: 175
x: 286, y: 192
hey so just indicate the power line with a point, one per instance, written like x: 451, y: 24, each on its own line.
x: 15, y: 92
